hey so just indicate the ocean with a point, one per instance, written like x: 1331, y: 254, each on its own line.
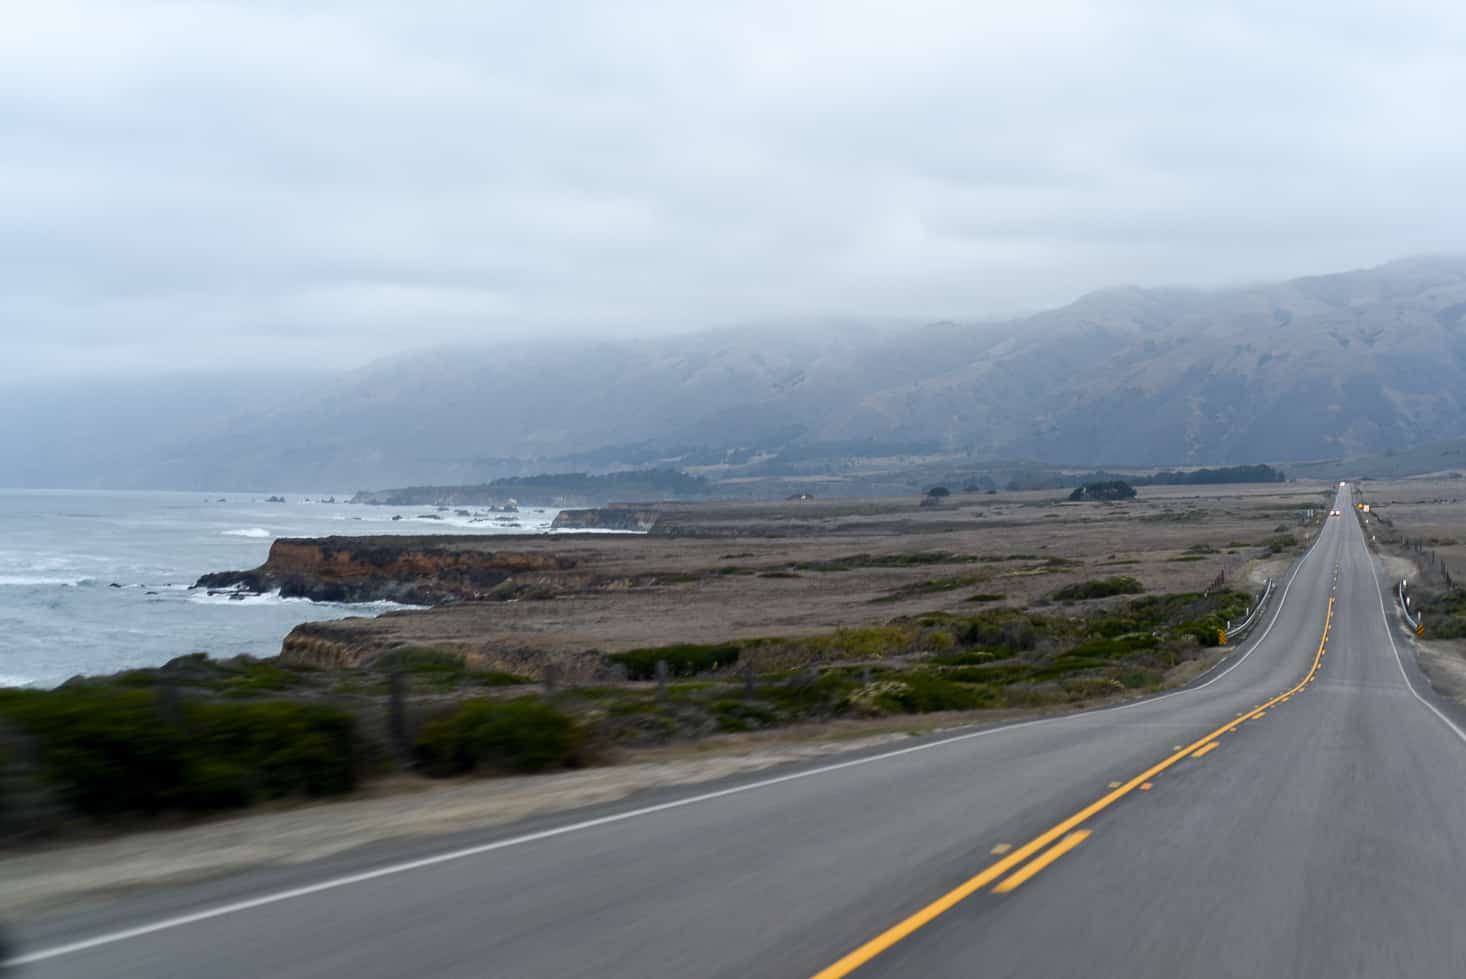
x: 95, y: 582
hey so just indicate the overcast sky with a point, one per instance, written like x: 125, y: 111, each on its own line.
x: 232, y: 184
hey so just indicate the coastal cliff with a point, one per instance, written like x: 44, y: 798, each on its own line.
x: 412, y: 570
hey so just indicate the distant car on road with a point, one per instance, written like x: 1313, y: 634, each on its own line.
x: 1333, y: 513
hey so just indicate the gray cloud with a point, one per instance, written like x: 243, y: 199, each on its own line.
x: 231, y: 184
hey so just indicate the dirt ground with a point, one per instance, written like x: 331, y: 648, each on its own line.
x: 715, y: 572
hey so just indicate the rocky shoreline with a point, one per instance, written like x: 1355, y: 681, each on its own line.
x: 417, y: 570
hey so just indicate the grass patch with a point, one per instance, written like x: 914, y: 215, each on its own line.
x: 1098, y: 588
x: 421, y: 659
x: 911, y: 559
x: 742, y: 715
x: 868, y: 642
x: 931, y: 586
x: 441, y: 668
x: 974, y: 657
x: 924, y: 693
x: 1002, y: 673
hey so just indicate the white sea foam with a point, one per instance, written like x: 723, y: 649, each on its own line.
x: 248, y: 532
x: 274, y: 598
x: 592, y: 530
x: 33, y: 581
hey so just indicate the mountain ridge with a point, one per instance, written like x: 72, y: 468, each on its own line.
x: 1322, y: 366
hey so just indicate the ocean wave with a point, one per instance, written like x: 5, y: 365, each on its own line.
x: 247, y: 532
x: 36, y: 581
x: 274, y: 598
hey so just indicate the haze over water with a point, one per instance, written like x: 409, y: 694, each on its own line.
x: 62, y: 551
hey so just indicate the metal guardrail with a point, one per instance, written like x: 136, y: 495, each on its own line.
x: 1254, y: 614
x: 1415, y: 622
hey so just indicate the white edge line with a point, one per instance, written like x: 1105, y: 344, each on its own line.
x: 1399, y: 660
x: 178, y: 921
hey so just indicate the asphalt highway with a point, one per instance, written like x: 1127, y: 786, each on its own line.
x: 1300, y: 812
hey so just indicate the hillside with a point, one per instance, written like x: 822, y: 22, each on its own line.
x: 1448, y: 456
x: 1323, y: 367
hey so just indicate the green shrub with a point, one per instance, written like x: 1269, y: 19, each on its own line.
x: 939, y: 641
x: 496, y: 678
x: 421, y: 659
x: 974, y: 657
x: 923, y: 693
x: 1002, y: 627
x: 740, y: 715
x: 683, y: 659
x: 1281, y: 543
x: 241, y: 676
x: 1141, y: 679
x: 1060, y: 665
x: 1116, y: 647
x: 1110, y: 490
x: 441, y: 668
x: 1008, y: 671
x: 114, y: 752
x: 1098, y: 588
x: 517, y: 735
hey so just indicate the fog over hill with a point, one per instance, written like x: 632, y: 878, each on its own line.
x: 1358, y: 362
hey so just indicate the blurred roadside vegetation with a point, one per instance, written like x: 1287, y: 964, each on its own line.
x: 201, y: 735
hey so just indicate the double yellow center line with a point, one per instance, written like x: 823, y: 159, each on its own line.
x: 1068, y: 833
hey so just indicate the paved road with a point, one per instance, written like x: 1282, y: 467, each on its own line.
x: 1219, y: 831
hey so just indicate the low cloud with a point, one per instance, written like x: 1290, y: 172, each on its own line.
x: 235, y: 184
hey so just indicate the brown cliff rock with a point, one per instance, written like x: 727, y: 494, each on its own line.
x: 411, y: 570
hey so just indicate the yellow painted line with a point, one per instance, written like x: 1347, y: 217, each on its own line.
x: 1001, y: 849
x: 1261, y: 713
x: 1049, y: 856
x: 902, y: 929
x: 1206, y: 748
